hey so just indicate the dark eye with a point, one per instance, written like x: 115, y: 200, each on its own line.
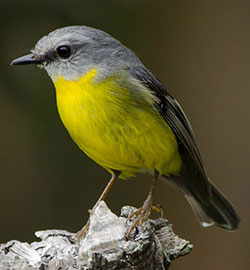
x: 63, y: 51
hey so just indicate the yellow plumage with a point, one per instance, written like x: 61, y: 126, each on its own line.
x: 123, y: 118
x: 115, y: 126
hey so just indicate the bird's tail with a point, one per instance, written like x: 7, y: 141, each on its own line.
x: 217, y: 211
x: 209, y: 204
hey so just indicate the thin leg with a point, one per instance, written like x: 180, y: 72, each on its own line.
x: 114, y: 177
x: 144, y: 212
x: 155, y: 179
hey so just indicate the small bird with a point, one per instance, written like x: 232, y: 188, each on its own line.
x: 123, y: 118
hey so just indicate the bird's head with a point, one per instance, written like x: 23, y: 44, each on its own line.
x: 72, y: 51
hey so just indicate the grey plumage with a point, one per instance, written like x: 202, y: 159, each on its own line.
x: 90, y: 47
x: 94, y: 48
x: 208, y: 203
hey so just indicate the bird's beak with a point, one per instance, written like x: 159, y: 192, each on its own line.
x: 27, y: 59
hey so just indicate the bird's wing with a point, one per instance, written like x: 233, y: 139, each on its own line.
x: 173, y: 114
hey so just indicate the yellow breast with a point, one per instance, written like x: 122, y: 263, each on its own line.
x: 116, y: 128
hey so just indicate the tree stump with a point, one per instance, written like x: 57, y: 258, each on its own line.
x: 152, y: 245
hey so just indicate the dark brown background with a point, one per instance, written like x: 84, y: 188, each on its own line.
x: 199, y: 50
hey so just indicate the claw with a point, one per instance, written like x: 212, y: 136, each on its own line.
x: 84, y: 230
x: 79, y: 235
x: 158, y: 208
x: 142, y: 214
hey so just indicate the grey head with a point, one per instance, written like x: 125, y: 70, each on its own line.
x: 72, y: 51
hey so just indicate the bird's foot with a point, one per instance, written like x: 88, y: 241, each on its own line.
x: 158, y: 208
x: 141, y: 215
x: 80, y: 235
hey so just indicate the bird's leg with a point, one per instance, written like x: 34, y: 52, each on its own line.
x: 83, y: 231
x: 144, y: 212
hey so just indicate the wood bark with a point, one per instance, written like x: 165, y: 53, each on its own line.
x: 153, y: 245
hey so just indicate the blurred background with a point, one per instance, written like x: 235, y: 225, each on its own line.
x: 198, y: 49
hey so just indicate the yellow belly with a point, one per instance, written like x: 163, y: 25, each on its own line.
x: 115, y: 129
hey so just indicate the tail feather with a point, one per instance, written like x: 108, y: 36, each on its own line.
x: 203, y: 219
x: 218, y: 211
x: 222, y: 211
x: 209, y: 204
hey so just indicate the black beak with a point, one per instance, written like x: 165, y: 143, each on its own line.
x: 27, y: 59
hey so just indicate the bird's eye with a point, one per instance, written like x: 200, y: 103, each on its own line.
x: 64, y: 51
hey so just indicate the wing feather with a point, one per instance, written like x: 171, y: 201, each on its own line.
x: 172, y: 113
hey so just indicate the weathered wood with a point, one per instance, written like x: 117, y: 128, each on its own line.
x: 153, y: 245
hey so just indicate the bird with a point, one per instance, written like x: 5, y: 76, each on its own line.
x: 124, y: 119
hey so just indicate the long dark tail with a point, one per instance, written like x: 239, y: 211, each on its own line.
x: 209, y: 204
x: 218, y: 211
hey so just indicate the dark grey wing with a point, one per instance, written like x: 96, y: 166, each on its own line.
x: 173, y: 114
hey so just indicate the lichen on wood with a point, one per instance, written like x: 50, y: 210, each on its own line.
x: 106, y: 245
